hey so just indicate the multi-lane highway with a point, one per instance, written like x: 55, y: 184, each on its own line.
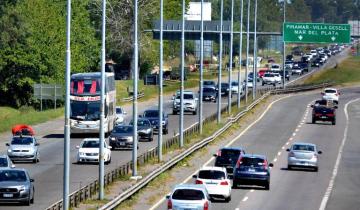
x: 48, y: 174
x: 289, y: 121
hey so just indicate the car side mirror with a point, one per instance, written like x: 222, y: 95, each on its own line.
x: 32, y: 180
x: 194, y: 176
x: 312, y: 106
x: 287, y: 150
x: 77, y: 147
x: 139, y: 115
x: 335, y: 107
x: 7, y: 144
x: 319, y: 152
x: 215, y: 155
x: 271, y: 165
x: 168, y: 197
x: 37, y: 144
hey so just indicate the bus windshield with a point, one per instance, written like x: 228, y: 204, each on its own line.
x: 83, y: 110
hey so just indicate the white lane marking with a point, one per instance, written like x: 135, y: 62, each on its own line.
x: 287, y: 143
x: 291, y: 138
x: 296, y: 130
x: 337, y: 163
x: 275, y: 159
x: 299, y: 126
x: 294, y: 134
x: 282, y: 147
x: 279, y: 153
x: 245, y: 199
x: 157, y: 204
x: 237, y: 209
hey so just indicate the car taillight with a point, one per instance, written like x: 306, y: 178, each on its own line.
x: 218, y: 153
x: 265, y: 164
x: 198, y: 182
x: 291, y: 154
x: 169, y: 204
x: 238, y: 163
x: 317, y: 114
x: 224, y: 183
x: 206, y: 205
x: 330, y: 115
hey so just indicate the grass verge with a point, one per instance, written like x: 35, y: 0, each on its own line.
x: 25, y: 115
x: 346, y: 73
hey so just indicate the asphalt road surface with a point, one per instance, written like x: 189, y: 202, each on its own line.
x: 48, y: 174
x: 289, y: 121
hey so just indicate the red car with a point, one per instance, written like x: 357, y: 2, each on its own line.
x: 262, y: 71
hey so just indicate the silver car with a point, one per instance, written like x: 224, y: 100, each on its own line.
x: 5, y: 162
x: 23, y: 148
x: 16, y: 186
x: 188, y: 196
x: 303, y: 155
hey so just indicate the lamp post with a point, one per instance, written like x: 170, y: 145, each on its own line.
x: 181, y: 127
x: 201, y: 68
x: 247, y: 50
x: 231, y: 55
x: 255, y: 54
x: 284, y: 44
x: 160, y: 136
x: 220, y: 62
x: 240, y: 54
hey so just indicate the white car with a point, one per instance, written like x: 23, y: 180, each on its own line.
x: 216, y: 181
x: 275, y: 67
x: 277, y: 78
x: 269, y: 79
x: 88, y: 151
x: 120, y: 116
x: 190, y: 102
x: 314, y: 53
x: 235, y: 87
x: 331, y: 94
x: 188, y: 196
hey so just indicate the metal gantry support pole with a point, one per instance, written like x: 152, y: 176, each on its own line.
x: 181, y: 127
x: 66, y: 175
x: 247, y: 51
x: 255, y: 54
x: 201, y: 68
x: 240, y: 54
x: 160, y: 136
x: 231, y: 55
x: 135, y: 92
x: 284, y: 44
x: 102, y: 105
x: 220, y: 62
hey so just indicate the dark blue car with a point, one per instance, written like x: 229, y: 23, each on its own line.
x: 153, y: 117
x: 252, y: 170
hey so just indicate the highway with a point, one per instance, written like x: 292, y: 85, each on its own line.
x: 48, y: 174
x: 289, y: 121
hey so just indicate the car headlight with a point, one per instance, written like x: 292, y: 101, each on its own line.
x: 9, y: 150
x: 163, y: 122
x: 112, y: 138
x: 130, y: 138
x: 81, y: 153
x: 22, y: 188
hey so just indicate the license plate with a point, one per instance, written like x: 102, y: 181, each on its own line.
x: 323, y: 117
x: 122, y: 143
x: 8, y: 195
x: 252, y: 170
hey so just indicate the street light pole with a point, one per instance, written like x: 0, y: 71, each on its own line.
x: 255, y: 54
x: 220, y: 62
x: 160, y: 136
x: 201, y: 68
x: 66, y: 175
x: 247, y: 51
x: 231, y: 55
x: 102, y: 106
x: 240, y: 54
x: 181, y: 127
x: 284, y: 44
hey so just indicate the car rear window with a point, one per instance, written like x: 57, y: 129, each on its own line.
x: 248, y: 161
x: 188, y: 194
x: 304, y: 147
x: 268, y: 75
x: 230, y: 152
x: 330, y: 91
x: 211, y: 174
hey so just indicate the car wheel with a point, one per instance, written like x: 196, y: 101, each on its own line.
x: 316, y: 169
x: 228, y: 199
x: 166, y: 131
x: 274, y: 84
x: 313, y: 120
x: 32, y: 199
x: 174, y: 112
x: 108, y: 162
x: 263, y: 84
x: 194, y: 112
x: 267, y: 185
x: 235, y: 185
x: 27, y: 202
x: 289, y: 167
x: 333, y: 122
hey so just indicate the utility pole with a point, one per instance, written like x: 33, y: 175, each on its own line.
x: 181, y: 127
x: 284, y: 44
x: 255, y: 54
x: 220, y: 62
x: 231, y: 55
x: 201, y: 68
x: 160, y: 136
x: 240, y: 54
x: 247, y: 51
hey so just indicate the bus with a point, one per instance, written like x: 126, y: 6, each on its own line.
x: 85, y: 102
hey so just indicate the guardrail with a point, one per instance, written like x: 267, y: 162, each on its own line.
x: 91, y: 189
x: 131, y: 98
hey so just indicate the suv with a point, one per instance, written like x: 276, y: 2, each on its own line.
x: 331, y: 94
x: 323, y: 113
x: 153, y: 116
x: 252, y: 170
x: 228, y: 157
x: 190, y: 102
x: 209, y: 84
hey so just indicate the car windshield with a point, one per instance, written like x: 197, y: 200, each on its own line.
x: 268, y: 75
x: 209, y: 90
x: 152, y: 113
x: 234, y: 83
x: 12, y: 175
x: 210, y: 174
x: 209, y: 83
x: 304, y: 147
x: 22, y: 140
x: 141, y: 123
x: 119, y: 111
x: 230, y: 153
x: 224, y: 85
x: 250, y: 161
x: 83, y: 110
x: 186, y: 96
x: 3, y: 162
x: 330, y: 91
x: 188, y: 194
x: 90, y: 144
x: 123, y: 129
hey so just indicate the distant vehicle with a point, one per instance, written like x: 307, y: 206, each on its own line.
x: 269, y: 79
x: 290, y: 57
x: 250, y: 75
x: 5, y: 162
x: 153, y: 116
x: 23, y: 148
x: 304, y: 66
x: 145, y: 129
x: 252, y: 169
x: 287, y: 75
x: 277, y: 77
x: 189, y: 196
x: 313, y: 53
x: 248, y: 83
x: 331, y: 94
x: 275, y: 67
x: 316, y: 63
x: 227, y: 157
x: 225, y: 89
x: 209, y: 94
x: 262, y: 72
x: 209, y: 84
x: 216, y: 181
x: 88, y: 151
x: 303, y: 155
x: 297, y: 70
x: 16, y: 186
x: 122, y: 137
x: 235, y: 87
x: 120, y: 116
x: 289, y: 64
x: 85, y: 102
x: 323, y: 113
x: 297, y: 51
x: 190, y: 102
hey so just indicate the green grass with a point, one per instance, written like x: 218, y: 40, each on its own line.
x: 346, y: 73
x: 10, y: 116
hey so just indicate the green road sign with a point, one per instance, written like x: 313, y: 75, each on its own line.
x: 316, y: 33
